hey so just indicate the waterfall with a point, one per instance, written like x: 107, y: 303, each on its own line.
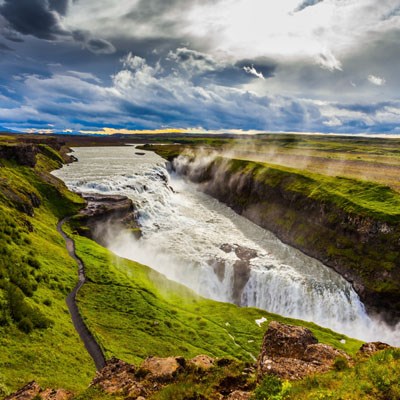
x: 197, y: 241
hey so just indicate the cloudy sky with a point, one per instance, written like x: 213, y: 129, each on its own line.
x: 219, y: 65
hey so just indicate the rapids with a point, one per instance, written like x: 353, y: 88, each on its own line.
x: 195, y: 240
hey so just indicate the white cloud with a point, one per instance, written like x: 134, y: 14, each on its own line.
x: 333, y: 122
x: 133, y: 62
x: 376, y: 80
x: 327, y: 60
x: 252, y: 71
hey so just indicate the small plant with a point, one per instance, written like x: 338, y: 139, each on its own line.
x: 47, y: 302
x: 272, y: 388
x: 25, y: 325
x: 340, y: 364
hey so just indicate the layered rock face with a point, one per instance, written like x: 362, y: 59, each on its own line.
x: 103, y: 211
x: 292, y: 352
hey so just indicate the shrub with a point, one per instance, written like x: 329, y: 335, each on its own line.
x: 340, y: 364
x: 25, y: 325
x: 47, y: 302
x: 272, y: 388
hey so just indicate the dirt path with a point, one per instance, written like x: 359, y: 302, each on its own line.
x: 88, y: 339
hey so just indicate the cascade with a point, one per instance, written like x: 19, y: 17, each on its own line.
x: 195, y: 240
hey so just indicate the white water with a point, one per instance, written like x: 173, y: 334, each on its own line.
x: 183, y: 231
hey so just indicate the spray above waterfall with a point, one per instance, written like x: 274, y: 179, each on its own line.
x: 193, y: 239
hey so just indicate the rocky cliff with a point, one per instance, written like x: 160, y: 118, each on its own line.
x: 362, y: 246
x: 102, y: 212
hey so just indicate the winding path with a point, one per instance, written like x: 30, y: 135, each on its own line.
x: 87, y: 337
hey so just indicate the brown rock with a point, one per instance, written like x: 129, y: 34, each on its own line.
x: 368, y: 349
x: 289, y: 341
x: 28, y: 392
x: 323, y: 354
x: 292, y: 352
x: 32, y: 390
x: 53, y: 394
x: 163, y: 368
x: 239, y: 395
x: 202, y: 361
x: 118, y: 377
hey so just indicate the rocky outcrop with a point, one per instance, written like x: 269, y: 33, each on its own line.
x: 163, y: 369
x: 101, y: 211
x: 122, y: 379
x: 33, y: 391
x: 293, y: 352
x: 241, y: 268
x: 22, y: 153
x: 364, y: 250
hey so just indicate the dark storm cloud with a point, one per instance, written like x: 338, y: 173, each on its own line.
x: 4, y: 47
x: 42, y: 19
x: 369, y: 108
x: 61, y: 6
x: 33, y: 17
x: 100, y: 46
x: 307, y: 3
x: 94, y: 45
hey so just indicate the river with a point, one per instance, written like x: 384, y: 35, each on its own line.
x: 197, y: 241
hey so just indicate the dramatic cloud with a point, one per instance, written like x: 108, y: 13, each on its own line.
x: 33, y: 17
x: 216, y: 64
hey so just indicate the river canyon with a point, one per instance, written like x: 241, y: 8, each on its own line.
x: 193, y: 239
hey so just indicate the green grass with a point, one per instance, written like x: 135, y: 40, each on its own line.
x: 372, y: 379
x: 350, y: 195
x: 136, y: 312
x: 37, y: 338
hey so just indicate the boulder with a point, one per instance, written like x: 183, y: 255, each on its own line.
x: 163, y: 369
x: 368, y: 349
x: 288, y: 341
x: 293, y: 352
x: 203, y: 362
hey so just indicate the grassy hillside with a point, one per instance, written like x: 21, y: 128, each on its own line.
x: 359, y: 197
x: 135, y: 312
x: 37, y: 338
